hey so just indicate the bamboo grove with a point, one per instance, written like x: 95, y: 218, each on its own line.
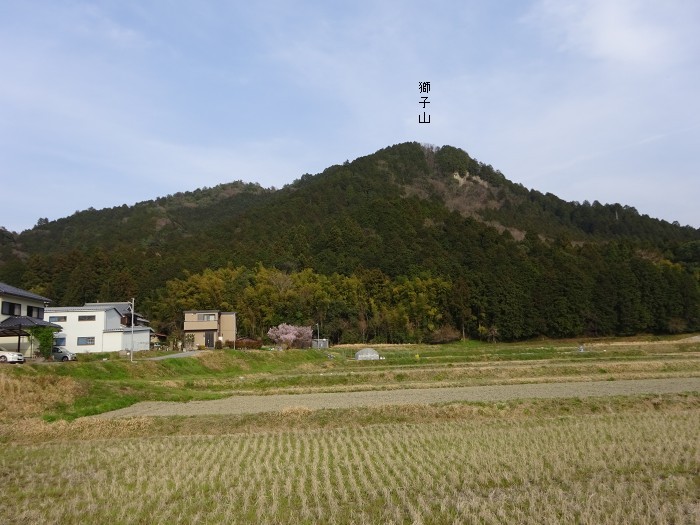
x: 569, y: 293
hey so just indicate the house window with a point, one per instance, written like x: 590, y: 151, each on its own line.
x: 59, y: 341
x: 86, y: 318
x: 36, y: 312
x: 9, y: 308
x: 86, y: 341
x: 57, y: 319
x: 206, y: 317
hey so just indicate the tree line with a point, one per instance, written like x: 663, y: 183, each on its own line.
x: 578, y: 291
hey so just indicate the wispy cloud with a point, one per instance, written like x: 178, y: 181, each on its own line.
x: 640, y: 33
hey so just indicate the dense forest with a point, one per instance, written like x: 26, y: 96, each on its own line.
x: 411, y: 243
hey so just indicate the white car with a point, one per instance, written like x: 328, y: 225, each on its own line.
x: 10, y: 357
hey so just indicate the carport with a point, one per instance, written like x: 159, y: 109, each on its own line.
x: 15, y: 326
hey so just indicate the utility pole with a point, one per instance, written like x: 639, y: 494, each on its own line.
x: 133, y: 305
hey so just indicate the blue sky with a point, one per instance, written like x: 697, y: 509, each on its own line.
x: 116, y: 102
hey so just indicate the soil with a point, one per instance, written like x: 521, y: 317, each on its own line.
x: 316, y: 401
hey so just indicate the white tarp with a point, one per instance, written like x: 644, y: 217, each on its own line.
x: 367, y: 354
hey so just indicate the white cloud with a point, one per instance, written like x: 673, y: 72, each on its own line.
x: 642, y: 33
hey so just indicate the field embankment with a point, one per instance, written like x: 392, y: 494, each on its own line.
x: 72, y: 390
x: 416, y: 396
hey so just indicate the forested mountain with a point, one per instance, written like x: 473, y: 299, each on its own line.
x: 410, y: 243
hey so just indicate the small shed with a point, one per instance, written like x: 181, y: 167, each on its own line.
x: 367, y: 354
x: 319, y: 343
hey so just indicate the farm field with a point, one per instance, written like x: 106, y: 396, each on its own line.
x: 629, y: 457
x: 630, y: 466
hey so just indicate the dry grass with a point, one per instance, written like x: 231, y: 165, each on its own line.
x: 218, y: 361
x: 298, y: 411
x: 25, y: 396
x: 628, y: 467
x: 34, y: 430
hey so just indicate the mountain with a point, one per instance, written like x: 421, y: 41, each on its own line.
x: 407, y: 211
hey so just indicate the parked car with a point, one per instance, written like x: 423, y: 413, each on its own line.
x: 58, y: 353
x: 7, y: 356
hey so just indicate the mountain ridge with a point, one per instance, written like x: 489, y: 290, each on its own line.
x: 406, y: 211
x: 459, y: 184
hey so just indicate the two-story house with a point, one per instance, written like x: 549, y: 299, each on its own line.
x: 99, y: 327
x: 206, y: 327
x: 19, y: 311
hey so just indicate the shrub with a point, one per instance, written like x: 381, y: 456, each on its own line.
x: 247, y: 342
x: 444, y: 334
x: 44, y: 336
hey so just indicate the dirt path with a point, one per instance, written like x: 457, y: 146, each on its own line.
x: 275, y: 403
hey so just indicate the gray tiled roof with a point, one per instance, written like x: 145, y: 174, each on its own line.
x: 123, y: 307
x: 6, y: 289
x: 17, y: 325
x: 25, y: 322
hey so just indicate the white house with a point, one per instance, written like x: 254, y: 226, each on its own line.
x: 99, y: 327
x: 21, y: 310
